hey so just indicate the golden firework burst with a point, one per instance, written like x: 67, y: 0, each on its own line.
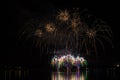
x: 63, y: 15
x: 91, y: 33
x: 50, y: 27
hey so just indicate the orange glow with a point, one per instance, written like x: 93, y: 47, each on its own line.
x: 50, y: 27
x: 63, y: 15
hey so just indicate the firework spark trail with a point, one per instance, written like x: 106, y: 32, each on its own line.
x: 68, y: 30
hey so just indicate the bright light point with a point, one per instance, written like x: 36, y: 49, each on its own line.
x: 118, y: 65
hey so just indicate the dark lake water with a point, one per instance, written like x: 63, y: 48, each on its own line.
x: 25, y: 73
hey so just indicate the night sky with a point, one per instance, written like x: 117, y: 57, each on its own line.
x: 20, y: 12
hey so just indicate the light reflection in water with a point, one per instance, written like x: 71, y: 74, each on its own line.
x: 69, y: 76
x: 16, y: 73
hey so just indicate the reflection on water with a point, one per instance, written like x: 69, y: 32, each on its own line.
x: 70, y: 76
x: 26, y: 73
x: 17, y: 73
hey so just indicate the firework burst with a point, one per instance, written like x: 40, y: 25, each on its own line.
x: 50, y: 27
x: 63, y: 15
x: 68, y: 30
x: 95, y: 34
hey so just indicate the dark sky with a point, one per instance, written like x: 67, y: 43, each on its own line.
x: 20, y: 12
